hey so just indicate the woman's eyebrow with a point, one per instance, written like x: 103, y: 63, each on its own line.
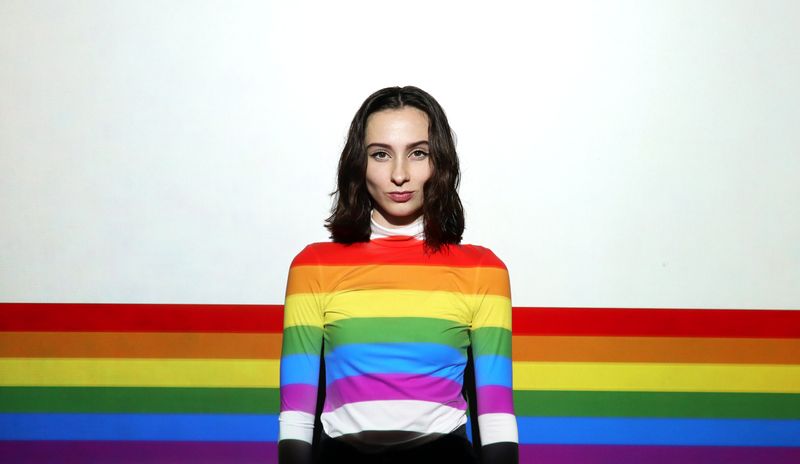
x: 410, y: 145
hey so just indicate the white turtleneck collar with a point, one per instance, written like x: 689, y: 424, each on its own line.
x: 416, y: 229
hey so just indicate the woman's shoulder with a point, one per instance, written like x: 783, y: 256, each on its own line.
x: 307, y: 255
x: 483, y: 255
x: 314, y: 252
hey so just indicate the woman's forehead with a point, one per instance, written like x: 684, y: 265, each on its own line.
x: 397, y: 124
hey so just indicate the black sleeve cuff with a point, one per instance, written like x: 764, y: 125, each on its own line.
x: 500, y: 453
x: 294, y: 452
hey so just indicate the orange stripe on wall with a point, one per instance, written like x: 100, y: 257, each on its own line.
x: 140, y: 345
x: 525, y: 348
x: 656, y: 349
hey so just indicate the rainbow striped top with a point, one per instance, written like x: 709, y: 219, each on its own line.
x: 395, y: 324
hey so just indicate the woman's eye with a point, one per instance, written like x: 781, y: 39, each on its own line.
x: 420, y: 153
x: 377, y: 155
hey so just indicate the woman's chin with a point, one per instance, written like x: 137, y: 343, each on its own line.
x: 397, y: 215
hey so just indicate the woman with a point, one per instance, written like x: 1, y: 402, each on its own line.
x: 393, y: 303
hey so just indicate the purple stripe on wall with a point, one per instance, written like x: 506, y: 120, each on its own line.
x: 494, y: 398
x: 394, y: 387
x: 610, y: 454
x: 152, y: 452
x: 299, y: 397
x: 158, y: 452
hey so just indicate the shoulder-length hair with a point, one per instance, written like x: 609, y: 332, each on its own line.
x: 443, y: 213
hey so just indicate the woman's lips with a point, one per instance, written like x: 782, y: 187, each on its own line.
x: 401, y: 197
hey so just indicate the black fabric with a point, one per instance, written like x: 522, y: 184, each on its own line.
x: 450, y: 448
x: 500, y: 453
x: 321, y: 393
x: 299, y: 452
x: 469, y: 394
x: 294, y: 452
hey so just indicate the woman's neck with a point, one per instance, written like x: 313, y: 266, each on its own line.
x: 415, y: 229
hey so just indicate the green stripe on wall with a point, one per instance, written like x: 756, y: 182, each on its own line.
x: 657, y: 404
x: 527, y: 403
x: 135, y: 400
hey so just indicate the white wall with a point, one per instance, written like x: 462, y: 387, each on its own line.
x: 629, y: 154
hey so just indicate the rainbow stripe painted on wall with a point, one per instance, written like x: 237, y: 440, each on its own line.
x: 199, y: 383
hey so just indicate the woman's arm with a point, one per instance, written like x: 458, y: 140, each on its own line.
x: 491, y: 347
x: 300, y: 358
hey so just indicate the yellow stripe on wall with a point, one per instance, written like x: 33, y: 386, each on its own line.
x: 527, y: 375
x: 140, y: 372
x: 657, y: 377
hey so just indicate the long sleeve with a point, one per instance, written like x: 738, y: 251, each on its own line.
x: 300, y: 354
x: 491, y: 345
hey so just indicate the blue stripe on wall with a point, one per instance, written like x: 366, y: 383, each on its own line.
x: 532, y: 430
x: 658, y: 431
x: 160, y: 427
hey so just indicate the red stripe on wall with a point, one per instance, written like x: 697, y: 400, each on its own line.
x: 112, y: 317
x: 107, y: 317
x: 740, y: 323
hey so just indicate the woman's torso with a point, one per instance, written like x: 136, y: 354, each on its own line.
x: 396, y: 328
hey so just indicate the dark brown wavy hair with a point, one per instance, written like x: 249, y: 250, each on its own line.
x: 443, y: 213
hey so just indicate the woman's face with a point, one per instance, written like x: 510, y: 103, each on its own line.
x: 398, y: 164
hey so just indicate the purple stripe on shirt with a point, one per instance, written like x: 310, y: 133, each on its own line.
x: 494, y: 398
x: 299, y: 397
x: 376, y: 387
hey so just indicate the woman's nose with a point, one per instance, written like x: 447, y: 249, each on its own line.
x: 400, y: 173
